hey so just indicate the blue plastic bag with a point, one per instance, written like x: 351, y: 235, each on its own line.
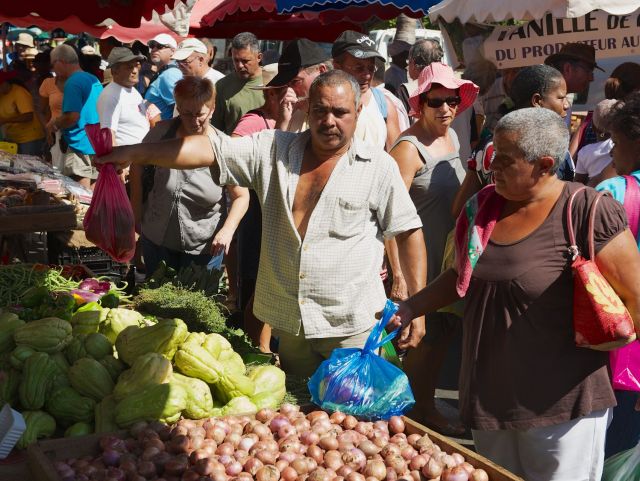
x: 361, y: 383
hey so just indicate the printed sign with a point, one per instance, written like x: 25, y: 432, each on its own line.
x: 531, y: 43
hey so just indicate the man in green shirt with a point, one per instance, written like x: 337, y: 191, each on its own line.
x: 234, y: 95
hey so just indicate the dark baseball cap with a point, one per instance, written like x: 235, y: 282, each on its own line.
x: 121, y: 55
x: 355, y: 43
x: 297, y: 55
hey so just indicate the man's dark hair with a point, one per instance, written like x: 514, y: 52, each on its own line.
x: 625, y: 116
x: 246, y: 40
x: 426, y: 51
x: 536, y: 79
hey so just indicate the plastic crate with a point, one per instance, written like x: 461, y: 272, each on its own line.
x: 94, y: 258
x: 12, y: 426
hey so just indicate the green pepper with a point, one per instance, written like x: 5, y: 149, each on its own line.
x: 110, y: 300
x: 34, y: 296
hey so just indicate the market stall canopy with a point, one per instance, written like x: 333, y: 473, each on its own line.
x: 229, y: 17
x: 358, y: 10
x: 127, y: 13
x: 176, y: 22
x: 499, y: 10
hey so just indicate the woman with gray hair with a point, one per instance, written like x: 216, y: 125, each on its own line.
x: 537, y: 404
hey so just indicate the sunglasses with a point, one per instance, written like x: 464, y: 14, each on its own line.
x: 436, y: 103
x: 156, y: 46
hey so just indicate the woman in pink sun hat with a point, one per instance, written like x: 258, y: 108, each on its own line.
x: 428, y: 157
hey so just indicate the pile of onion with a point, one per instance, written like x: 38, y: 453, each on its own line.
x: 284, y: 445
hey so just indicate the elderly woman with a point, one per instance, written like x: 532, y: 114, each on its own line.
x: 183, y: 209
x: 536, y: 403
x: 539, y: 86
x: 624, y: 123
x: 429, y: 162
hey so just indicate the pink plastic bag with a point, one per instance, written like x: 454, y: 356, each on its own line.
x: 625, y: 367
x: 109, y: 223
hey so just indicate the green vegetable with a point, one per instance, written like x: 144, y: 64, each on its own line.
x: 88, y: 318
x: 98, y: 346
x: 113, y: 366
x: 38, y: 425
x: 105, y: 413
x: 270, y: 386
x: 19, y: 355
x: 239, y: 405
x: 34, y: 296
x: 110, y: 300
x: 68, y: 406
x: 162, y: 338
x: 37, y: 375
x: 148, y: 369
x: 16, y: 279
x: 199, y: 312
x: 78, y: 429
x: 9, y: 322
x: 9, y: 384
x: 194, y: 360
x: 160, y: 402
x: 75, y: 349
x: 118, y: 320
x: 199, y: 399
x: 46, y: 335
x: 90, y: 378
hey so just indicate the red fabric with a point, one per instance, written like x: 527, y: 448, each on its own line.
x: 251, y: 123
x: 109, y: 223
x: 229, y: 17
x: 127, y: 13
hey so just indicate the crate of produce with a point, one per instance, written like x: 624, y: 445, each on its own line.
x: 43, y: 455
x: 64, y: 250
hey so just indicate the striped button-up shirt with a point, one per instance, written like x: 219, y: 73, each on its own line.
x: 329, y: 282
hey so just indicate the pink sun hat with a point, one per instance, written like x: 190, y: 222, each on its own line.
x: 439, y: 73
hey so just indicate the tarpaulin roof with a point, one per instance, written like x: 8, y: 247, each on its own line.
x: 127, y: 13
x: 499, y: 10
x: 378, y: 8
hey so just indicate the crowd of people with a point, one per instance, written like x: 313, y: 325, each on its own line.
x: 325, y: 185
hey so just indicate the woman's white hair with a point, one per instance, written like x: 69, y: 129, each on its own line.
x: 540, y: 133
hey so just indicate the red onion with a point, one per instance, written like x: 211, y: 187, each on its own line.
x: 368, y: 448
x: 225, y: 448
x: 287, y: 409
x: 300, y: 465
x: 337, y: 417
x: 328, y: 443
x: 468, y: 467
x: 459, y: 458
x: 110, y: 457
x: 344, y: 470
x: 288, y: 474
x: 267, y: 457
x: 332, y: 460
x: 268, y: 473
x: 390, y: 449
x: 251, y: 465
x: 417, y: 462
x: 396, y: 462
x: 355, y: 476
x: 354, y: 458
x: 286, y: 430
x: 281, y: 464
x: 246, y: 442
x: 432, y: 469
x: 287, y: 456
x: 408, y: 452
x: 479, y: 475
x: 319, y: 474
x: 309, y: 437
x: 234, y: 468
x: 265, y: 415
x: 316, y: 453
x: 375, y: 468
x: 396, y: 424
x: 457, y: 473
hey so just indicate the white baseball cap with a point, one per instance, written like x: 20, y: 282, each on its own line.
x: 187, y: 47
x: 165, y: 39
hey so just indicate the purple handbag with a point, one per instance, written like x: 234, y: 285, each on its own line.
x: 625, y: 361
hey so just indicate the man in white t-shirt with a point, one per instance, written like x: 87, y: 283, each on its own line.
x: 192, y: 58
x: 121, y: 108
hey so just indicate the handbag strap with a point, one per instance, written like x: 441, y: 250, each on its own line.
x: 573, y: 247
x: 592, y: 217
x: 632, y: 204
